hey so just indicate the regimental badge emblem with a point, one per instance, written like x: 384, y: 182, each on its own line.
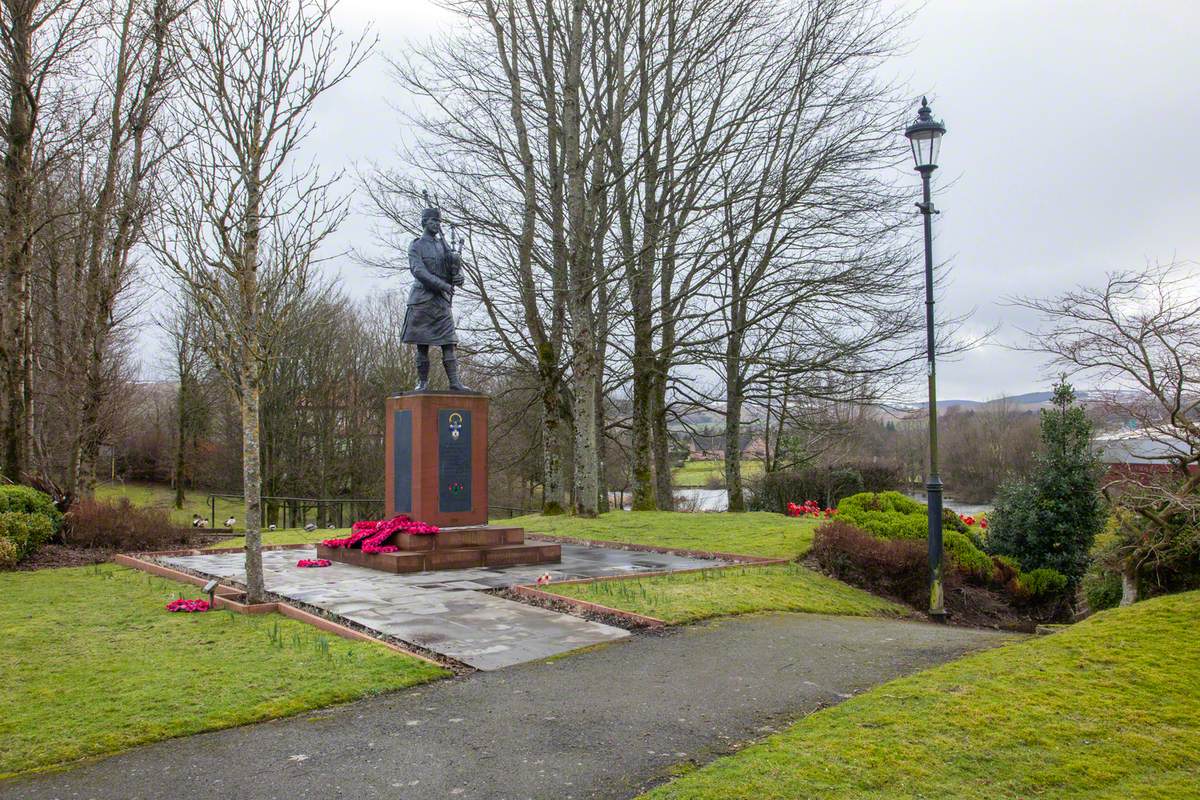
x: 456, y: 422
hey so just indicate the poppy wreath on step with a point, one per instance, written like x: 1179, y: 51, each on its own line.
x: 370, y: 535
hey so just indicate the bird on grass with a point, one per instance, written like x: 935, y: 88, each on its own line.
x: 310, y: 527
x: 229, y: 523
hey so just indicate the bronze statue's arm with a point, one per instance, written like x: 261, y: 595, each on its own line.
x: 432, y: 282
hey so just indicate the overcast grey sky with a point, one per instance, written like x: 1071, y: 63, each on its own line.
x: 1072, y: 148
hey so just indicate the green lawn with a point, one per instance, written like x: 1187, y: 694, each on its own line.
x: 692, y: 596
x: 700, y: 474
x: 286, y: 536
x: 751, y: 534
x: 1108, y: 708
x: 93, y: 664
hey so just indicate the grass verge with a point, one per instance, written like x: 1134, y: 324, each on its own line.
x: 691, y: 596
x: 286, y: 536
x: 93, y: 664
x: 749, y: 534
x: 1105, y: 709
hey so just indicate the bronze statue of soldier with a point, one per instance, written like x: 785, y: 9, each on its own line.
x: 437, y: 269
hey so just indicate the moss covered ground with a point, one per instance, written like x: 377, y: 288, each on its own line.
x: 1108, y: 708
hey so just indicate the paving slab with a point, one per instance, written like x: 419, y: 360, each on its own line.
x: 600, y: 725
x: 450, y: 611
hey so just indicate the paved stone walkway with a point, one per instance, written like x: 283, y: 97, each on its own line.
x: 448, y: 611
x: 600, y: 724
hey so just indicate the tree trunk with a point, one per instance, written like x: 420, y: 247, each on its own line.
x: 90, y: 434
x: 602, y: 505
x: 662, y: 443
x: 1129, y: 585
x: 641, y: 424
x: 553, y: 496
x: 733, y: 452
x: 252, y: 482
x: 734, y: 400
x: 250, y: 378
x: 15, y: 337
x: 181, y: 437
x: 582, y: 274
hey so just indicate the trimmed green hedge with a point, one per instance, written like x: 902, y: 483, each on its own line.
x: 1042, y: 582
x: 887, y: 515
x: 27, y: 500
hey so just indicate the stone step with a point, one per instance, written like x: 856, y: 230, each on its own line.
x: 455, y: 538
x: 439, y: 558
x: 397, y: 562
x: 511, y: 555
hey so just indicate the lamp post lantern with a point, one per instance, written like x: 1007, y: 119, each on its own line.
x: 925, y: 136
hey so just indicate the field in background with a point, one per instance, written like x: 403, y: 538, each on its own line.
x: 163, y: 498
x: 711, y: 474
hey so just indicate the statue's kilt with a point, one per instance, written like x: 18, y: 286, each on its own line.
x: 429, y: 323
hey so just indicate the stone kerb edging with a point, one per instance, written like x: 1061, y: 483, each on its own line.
x: 223, y: 597
x: 711, y: 555
x: 583, y: 606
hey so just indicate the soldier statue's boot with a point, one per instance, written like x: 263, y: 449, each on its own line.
x: 422, y: 371
x: 451, y: 365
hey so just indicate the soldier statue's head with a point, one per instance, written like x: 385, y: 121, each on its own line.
x: 431, y: 221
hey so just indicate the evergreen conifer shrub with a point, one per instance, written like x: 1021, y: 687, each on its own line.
x: 1051, y: 519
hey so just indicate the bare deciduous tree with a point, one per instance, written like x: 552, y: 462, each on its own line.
x: 243, y: 229
x: 39, y: 44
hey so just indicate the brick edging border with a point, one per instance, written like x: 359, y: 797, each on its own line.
x: 223, y: 597
x: 546, y: 594
x: 200, y: 551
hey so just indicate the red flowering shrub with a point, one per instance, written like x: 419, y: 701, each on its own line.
x: 370, y: 535
x: 897, y: 567
x: 810, y: 508
x: 313, y: 562
x: 188, y: 606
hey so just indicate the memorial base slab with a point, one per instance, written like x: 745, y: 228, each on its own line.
x: 453, y: 548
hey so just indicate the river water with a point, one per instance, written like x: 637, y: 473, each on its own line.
x: 718, y: 500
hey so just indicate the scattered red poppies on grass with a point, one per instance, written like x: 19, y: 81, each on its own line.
x: 810, y: 508
x: 189, y: 606
x: 370, y: 535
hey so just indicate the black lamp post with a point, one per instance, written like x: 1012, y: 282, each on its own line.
x: 925, y: 135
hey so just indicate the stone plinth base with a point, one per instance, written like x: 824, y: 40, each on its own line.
x: 456, y: 548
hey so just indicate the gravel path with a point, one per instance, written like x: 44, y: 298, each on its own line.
x: 598, y: 724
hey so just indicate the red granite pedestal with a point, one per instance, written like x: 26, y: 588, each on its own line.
x: 437, y: 472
